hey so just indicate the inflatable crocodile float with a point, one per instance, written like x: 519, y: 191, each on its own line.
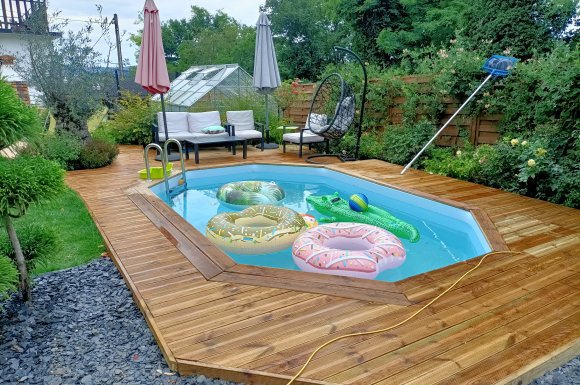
x: 338, y: 210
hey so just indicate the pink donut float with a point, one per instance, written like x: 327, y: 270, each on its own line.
x: 349, y: 249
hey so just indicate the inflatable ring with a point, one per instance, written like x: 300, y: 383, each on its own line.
x: 347, y: 248
x: 258, y: 229
x: 248, y: 193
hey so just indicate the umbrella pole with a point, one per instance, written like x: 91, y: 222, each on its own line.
x: 171, y: 157
x: 268, y: 145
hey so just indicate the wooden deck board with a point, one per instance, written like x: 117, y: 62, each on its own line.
x: 511, y: 320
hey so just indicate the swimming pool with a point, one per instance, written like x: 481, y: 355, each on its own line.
x: 448, y: 234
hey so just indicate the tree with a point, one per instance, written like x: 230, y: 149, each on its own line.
x: 23, y: 180
x: 425, y: 23
x: 304, y: 33
x: 225, y: 42
x: 522, y: 27
x: 67, y: 71
x: 368, y: 20
x: 205, y: 38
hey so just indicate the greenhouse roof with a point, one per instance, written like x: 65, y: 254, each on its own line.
x: 194, y: 83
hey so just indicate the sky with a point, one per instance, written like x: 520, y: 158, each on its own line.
x: 244, y: 11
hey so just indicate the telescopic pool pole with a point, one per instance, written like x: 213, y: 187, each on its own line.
x: 496, y: 66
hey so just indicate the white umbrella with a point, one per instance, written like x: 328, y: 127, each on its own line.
x: 266, y: 73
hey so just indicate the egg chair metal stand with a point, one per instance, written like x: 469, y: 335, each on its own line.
x: 333, y: 109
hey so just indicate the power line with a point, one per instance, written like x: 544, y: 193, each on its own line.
x: 77, y: 20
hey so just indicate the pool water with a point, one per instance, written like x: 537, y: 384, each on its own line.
x: 448, y: 234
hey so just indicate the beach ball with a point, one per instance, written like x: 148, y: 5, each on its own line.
x: 358, y: 202
x: 310, y: 220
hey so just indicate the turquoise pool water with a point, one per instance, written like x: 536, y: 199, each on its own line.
x: 448, y: 234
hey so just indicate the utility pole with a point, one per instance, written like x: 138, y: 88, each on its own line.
x: 118, y: 40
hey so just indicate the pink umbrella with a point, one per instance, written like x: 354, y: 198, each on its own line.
x: 151, y: 68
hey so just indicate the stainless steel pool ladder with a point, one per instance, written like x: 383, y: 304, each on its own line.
x: 182, y: 182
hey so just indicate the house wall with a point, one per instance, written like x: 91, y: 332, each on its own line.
x: 12, y: 49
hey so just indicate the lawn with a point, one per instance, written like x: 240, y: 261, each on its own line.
x: 80, y: 241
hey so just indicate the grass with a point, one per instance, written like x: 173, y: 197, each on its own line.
x: 80, y: 240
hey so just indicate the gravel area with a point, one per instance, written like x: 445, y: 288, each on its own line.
x: 83, y: 328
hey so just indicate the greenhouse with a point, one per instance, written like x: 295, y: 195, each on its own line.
x: 208, y: 85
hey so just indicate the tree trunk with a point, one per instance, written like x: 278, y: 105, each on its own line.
x: 20, y: 262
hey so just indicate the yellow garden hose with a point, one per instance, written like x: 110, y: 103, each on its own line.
x: 400, y: 323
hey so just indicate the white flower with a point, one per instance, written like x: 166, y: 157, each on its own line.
x: 531, y: 162
x: 514, y: 142
x: 458, y: 153
x: 525, y: 143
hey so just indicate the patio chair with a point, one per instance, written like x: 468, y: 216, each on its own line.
x: 245, y: 126
x: 305, y: 135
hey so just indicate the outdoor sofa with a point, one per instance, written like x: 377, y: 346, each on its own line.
x: 194, y: 125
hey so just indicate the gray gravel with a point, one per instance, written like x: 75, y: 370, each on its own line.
x: 83, y: 328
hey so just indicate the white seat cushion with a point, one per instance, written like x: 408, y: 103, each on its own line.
x: 241, y: 120
x: 199, y: 120
x: 308, y: 137
x: 249, y: 134
x: 196, y: 135
x: 176, y: 123
x: 175, y: 135
x: 181, y: 136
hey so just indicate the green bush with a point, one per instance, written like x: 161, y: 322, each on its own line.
x: 97, y: 153
x: 104, y: 132
x: 402, y: 142
x: 528, y: 167
x: 37, y: 241
x: 17, y: 120
x: 131, y: 124
x: 63, y: 148
x: 8, y: 277
x: 461, y: 163
x: 71, y: 153
x: 25, y: 180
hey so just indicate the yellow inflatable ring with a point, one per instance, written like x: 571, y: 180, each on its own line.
x: 259, y: 229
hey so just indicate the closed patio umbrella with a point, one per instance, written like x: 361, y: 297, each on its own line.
x: 151, y: 68
x: 266, y: 73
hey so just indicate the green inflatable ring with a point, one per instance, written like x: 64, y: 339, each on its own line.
x: 250, y: 193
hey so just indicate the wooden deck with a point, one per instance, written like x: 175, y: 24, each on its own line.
x: 511, y: 320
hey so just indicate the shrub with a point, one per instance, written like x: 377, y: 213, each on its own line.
x: 402, y: 142
x: 23, y: 181
x: 460, y: 163
x: 131, y: 124
x: 8, y: 277
x: 17, y: 120
x: 63, y: 148
x: 104, y: 132
x: 36, y: 241
x: 97, y: 153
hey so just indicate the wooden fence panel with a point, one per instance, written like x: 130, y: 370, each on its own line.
x: 482, y: 129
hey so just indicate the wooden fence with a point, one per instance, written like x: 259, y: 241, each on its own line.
x: 482, y: 129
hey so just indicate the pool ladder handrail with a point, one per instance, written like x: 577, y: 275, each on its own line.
x: 182, y: 182
x: 164, y: 160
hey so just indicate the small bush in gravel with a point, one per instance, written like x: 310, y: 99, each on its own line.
x: 25, y: 180
x: 97, y: 153
x: 36, y: 241
x: 8, y: 278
